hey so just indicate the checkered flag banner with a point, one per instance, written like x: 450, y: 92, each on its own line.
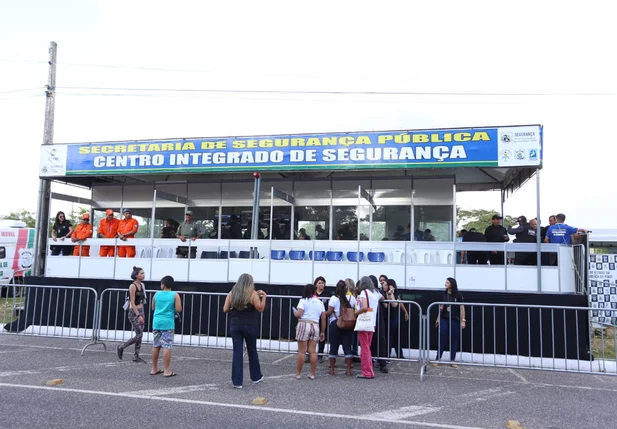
x: 603, y: 288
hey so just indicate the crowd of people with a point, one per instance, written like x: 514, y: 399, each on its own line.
x: 557, y: 232
x: 321, y: 319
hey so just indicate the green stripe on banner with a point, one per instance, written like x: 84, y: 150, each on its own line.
x: 286, y: 168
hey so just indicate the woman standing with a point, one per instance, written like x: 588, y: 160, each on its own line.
x: 394, y: 317
x: 320, y: 289
x: 61, y: 229
x: 311, y: 313
x: 137, y: 299
x: 338, y: 302
x: 450, y: 321
x: 244, y: 304
x: 367, y: 301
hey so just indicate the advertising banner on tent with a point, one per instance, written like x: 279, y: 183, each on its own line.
x: 440, y: 148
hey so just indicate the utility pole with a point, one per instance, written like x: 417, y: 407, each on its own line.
x: 42, y: 214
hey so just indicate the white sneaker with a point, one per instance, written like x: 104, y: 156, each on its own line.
x: 237, y: 387
x: 259, y: 381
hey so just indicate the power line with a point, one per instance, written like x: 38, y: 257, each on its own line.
x: 11, y: 60
x: 21, y: 90
x: 301, y: 92
x: 18, y: 97
x: 261, y: 98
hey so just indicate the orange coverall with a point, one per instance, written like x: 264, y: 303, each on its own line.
x: 126, y: 226
x: 108, y: 229
x: 82, y: 231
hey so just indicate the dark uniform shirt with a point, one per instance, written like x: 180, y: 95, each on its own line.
x: 495, y: 234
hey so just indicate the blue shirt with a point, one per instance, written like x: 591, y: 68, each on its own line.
x: 560, y: 233
x: 164, y: 310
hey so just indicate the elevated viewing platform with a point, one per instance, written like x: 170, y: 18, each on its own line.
x: 335, y: 205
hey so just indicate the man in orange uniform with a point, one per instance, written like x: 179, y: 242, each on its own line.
x: 82, y: 232
x: 127, y: 229
x: 108, y: 228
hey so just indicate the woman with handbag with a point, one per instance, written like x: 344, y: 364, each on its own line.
x: 342, y: 322
x: 137, y: 299
x: 366, y: 313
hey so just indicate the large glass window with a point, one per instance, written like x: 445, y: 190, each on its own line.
x: 391, y: 223
x: 236, y: 222
x: 345, y: 223
x: 364, y: 220
x: 315, y: 221
x: 206, y: 219
x: 281, y: 222
x: 433, y: 223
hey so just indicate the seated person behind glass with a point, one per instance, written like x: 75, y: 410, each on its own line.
x: 302, y: 235
x: 187, y: 229
x: 170, y: 228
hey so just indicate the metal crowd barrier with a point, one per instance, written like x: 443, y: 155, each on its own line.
x: 49, y: 311
x: 521, y: 336
x: 496, y: 335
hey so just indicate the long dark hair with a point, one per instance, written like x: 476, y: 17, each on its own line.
x: 453, y: 285
x: 309, y: 291
x: 341, y: 293
x: 320, y: 278
x: 57, y: 218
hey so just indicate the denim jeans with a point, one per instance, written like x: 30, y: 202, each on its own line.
x: 449, y: 332
x: 241, y: 334
x: 396, y: 338
x: 340, y: 337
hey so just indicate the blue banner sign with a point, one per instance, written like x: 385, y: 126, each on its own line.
x: 439, y: 148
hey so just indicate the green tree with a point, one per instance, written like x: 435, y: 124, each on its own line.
x: 23, y: 215
x: 479, y: 219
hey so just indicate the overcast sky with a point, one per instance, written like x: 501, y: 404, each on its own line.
x: 489, y: 47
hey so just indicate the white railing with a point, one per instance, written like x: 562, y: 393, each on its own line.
x: 411, y: 264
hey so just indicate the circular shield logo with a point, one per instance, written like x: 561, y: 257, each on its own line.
x: 520, y: 154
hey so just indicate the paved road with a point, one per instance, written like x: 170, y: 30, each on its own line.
x: 101, y: 391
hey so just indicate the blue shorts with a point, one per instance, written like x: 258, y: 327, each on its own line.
x: 163, y: 339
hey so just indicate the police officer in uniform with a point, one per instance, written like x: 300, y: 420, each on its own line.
x: 187, y: 230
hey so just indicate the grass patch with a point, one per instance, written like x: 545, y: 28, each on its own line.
x: 7, y: 313
x: 609, y: 343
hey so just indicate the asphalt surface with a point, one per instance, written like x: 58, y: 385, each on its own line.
x: 98, y: 390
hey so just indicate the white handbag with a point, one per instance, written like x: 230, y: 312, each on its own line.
x: 364, y: 321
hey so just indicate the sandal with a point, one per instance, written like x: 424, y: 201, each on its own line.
x: 298, y: 377
x: 310, y: 377
x: 173, y: 374
x: 160, y: 371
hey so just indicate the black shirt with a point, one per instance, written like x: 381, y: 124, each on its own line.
x: 451, y: 310
x: 495, y: 234
x: 247, y: 316
x: 169, y: 232
x: 474, y: 237
x: 62, y: 228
